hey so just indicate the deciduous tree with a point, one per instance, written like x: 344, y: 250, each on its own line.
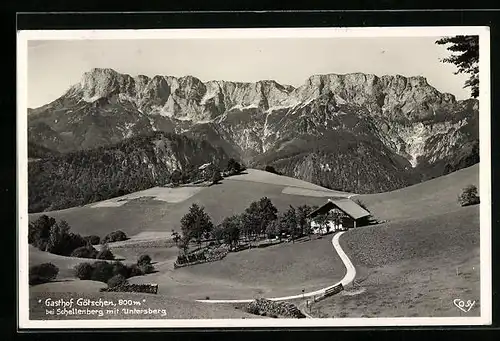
x: 195, y: 224
x: 302, y: 212
x: 289, y: 221
x: 231, y: 227
x: 218, y: 233
x: 259, y: 214
x: 216, y: 176
x: 233, y: 166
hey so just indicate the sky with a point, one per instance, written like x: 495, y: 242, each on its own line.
x: 55, y: 65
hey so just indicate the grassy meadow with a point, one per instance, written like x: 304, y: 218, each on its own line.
x: 413, y: 267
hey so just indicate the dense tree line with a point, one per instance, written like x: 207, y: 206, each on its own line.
x: 47, y: 234
x: 37, y: 151
x: 55, y: 237
x: 260, y: 219
x: 138, y: 163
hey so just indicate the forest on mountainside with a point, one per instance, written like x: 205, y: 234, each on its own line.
x: 135, y: 164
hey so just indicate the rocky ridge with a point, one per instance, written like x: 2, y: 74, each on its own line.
x: 407, y: 124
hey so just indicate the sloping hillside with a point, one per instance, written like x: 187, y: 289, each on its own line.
x: 306, y: 264
x: 412, y: 252
x: 161, y: 209
x: 421, y: 260
x: 412, y: 268
x: 431, y: 197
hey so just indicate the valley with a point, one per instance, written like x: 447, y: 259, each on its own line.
x: 137, y: 154
x: 390, y: 274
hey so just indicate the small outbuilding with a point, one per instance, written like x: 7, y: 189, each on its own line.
x: 338, y: 214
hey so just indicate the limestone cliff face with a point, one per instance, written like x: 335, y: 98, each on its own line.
x: 413, y: 121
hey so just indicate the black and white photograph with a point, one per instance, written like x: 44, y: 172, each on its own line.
x: 254, y: 177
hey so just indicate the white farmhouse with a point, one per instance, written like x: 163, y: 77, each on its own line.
x: 338, y: 214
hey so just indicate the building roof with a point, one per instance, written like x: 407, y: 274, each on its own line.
x: 347, y: 206
x: 205, y: 165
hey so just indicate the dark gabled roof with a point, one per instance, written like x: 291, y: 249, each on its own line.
x: 346, y: 205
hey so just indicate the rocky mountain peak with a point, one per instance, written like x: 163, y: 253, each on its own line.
x: 331, y: 115
x: 103, y: 82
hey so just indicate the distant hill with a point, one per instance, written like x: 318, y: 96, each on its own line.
x: 85, y: 176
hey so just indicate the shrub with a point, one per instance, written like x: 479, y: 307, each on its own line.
x: 144, y: 264
x: 134, y: 270
x: 114, y: 236
x: 233, y: 167
x: 42, y: 273
x: 84, y: 252
x: 271, y: 169
x: 144, y: 259
x: 105, y: 253
x: 102, y: 271
x: 121, y: 269
x: 468, y: 196
x: 92, y: 240
x: 39, y: 230
x: 84, y: 271
x: 116, y: 281
x: 252, y: 309
x: 146, y: 268
x: 216, y: 176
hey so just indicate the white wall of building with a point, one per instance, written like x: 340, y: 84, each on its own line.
x: 317, y: 229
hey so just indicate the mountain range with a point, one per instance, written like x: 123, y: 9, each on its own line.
x: 356, y: 132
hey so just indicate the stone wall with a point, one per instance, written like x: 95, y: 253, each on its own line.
x: 270, y: 308
x: 145, y: 288
x: 210, y: 255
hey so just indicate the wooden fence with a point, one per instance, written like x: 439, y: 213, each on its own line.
x: 329, y: 292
